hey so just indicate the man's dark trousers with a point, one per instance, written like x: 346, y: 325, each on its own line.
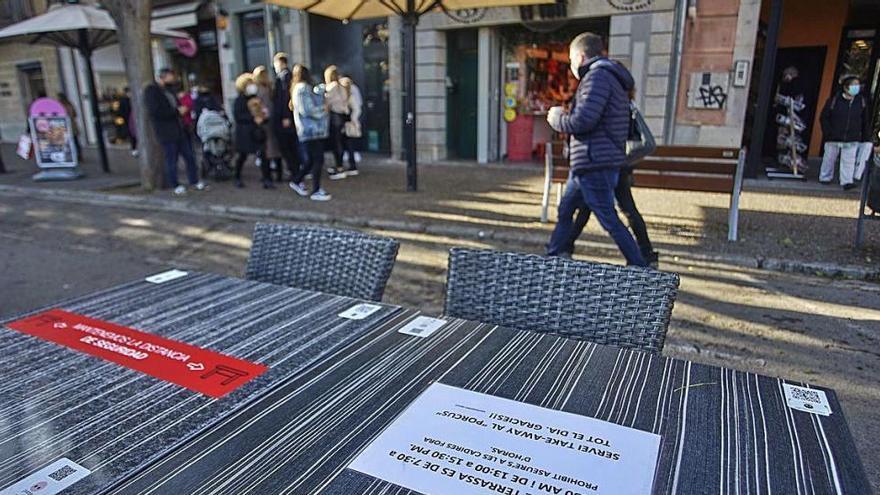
x: 173, y: 150
x: 627, y: 205
x: 596, y: 188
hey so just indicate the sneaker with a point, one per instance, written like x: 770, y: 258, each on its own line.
x: 846, y: 187
x: 351, y: 173
x: 320, y: 195
x: 333, y: 170
x: 201, y: 186
x: 299, y: 188
x: 337, y: 175
x: 308, y: 177
x: 825, y: 182
x: 267, y: 184
x: 180, y: 190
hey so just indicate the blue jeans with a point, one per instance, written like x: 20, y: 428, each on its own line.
x: 596, y: 190
x: 174, y: 150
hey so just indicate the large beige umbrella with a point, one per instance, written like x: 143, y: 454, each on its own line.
x: 410, y: 11
x: 83, y: 27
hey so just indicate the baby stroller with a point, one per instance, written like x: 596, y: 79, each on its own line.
x: 214, y: 130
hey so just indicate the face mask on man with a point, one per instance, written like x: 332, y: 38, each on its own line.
x: 853, y: 89
x: 251, y: 89
x: 576, y: 60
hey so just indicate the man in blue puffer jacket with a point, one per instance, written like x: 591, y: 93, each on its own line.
x: 598, y: 125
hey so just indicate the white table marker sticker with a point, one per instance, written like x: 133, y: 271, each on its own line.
x: 808, y: 400
x: 166, y: 276
x: 423, y: 326
x: 50, y: 480
x: 360, y: 311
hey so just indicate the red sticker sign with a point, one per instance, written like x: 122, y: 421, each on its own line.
x: 197, y: 369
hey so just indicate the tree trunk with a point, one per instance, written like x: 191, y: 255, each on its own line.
x: 132, y: 19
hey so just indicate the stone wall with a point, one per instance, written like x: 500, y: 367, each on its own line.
x: 644, y: 43
x: 722, y: 33
x: 13, y: 107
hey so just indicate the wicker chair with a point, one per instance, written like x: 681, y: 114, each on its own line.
x: 607, y: 304
x: 342, y: 262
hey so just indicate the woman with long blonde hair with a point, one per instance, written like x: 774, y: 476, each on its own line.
x: 310, y: 118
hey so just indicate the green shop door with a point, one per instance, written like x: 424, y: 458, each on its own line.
x: 461, y: 87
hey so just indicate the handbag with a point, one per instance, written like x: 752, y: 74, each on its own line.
x: 352, y: 129
x: 640, y: 141
x: 25, y: 147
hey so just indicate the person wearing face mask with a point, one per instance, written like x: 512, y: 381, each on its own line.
x: 597, y: 125
x: 273, y: 151
x: 165, y: 113
x: 846, y: 124
x: 282, y: 116
x: 250, y: 135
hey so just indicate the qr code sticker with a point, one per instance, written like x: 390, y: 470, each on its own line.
x: 62, y: 473
x: 806, y: 395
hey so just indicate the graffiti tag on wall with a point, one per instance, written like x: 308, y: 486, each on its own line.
x: 708, y: 90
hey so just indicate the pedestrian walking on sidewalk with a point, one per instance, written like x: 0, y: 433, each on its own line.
x: 352, y: 130
x: 597, y: 125
x: 626, y: 203
x: 336, y: 98
x: 273, y: 152
x: 311, y: 121
x: 250, y: 134
x: 165, y: 113
x: 282, y: 117
x: 846, y: 125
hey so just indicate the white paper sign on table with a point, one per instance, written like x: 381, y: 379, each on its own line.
x: 49, y: 480
x: 452, y: 440
x: 166, y: 276
x: 807, y: 399
x: 422, y: 326
x: 360, y: 311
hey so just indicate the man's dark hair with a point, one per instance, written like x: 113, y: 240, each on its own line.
x: 588, y: 43
x: 164, y: 71
x: 847, y: 79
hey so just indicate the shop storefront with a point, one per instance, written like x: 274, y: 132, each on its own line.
x: 818, y: 42
x: 486, y: 77
x: 536, y: 76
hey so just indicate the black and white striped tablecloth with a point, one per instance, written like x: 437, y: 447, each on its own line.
x: 56, y: 402
x: 723, y: 431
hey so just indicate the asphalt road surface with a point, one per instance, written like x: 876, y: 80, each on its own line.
x: 802, y: 328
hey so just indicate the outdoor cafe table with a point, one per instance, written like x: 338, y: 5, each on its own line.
x: 59, y: 403
x: 721, y: 431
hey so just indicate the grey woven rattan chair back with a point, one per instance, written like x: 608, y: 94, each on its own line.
x: 606, y: 304
x: 342, y: 262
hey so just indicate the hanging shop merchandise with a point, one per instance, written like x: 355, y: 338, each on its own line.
x: 537, y: 77
x: 790, y: 143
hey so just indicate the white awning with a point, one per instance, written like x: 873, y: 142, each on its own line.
x: 176, y: 16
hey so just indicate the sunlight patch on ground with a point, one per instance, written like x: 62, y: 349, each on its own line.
x: 135, y: 222
x: 40, y: 213
x: 467, y: 219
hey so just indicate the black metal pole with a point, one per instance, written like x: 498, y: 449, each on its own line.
x: 93, y: 97
x: 410, y: 20
x: 765, y: 90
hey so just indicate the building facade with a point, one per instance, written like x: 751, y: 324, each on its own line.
x: 486, y: 77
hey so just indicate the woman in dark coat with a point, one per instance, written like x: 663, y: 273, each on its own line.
x: 250, y: 135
